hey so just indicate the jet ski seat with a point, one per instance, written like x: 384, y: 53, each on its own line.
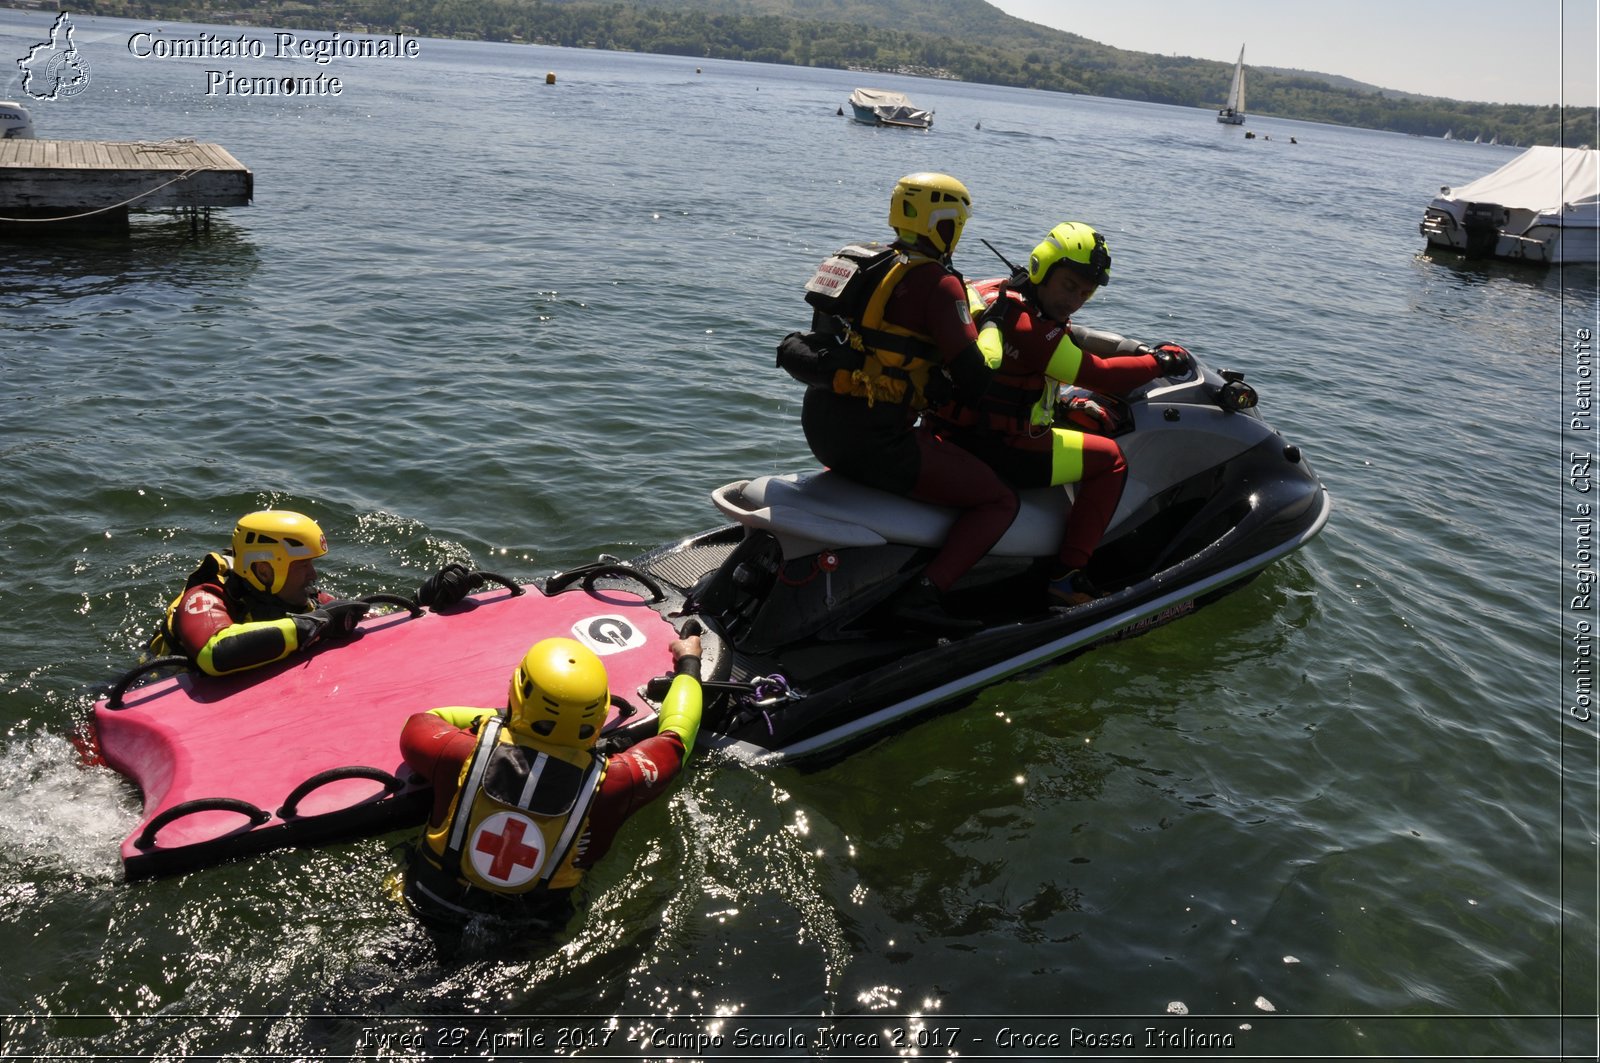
x: 826, y: 510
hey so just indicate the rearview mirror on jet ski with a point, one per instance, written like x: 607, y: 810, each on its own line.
x: 1235, y: 394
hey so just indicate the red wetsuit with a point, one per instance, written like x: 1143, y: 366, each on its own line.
x: 439, y: 751
x: 225, y: 625
x: 879, y: 445
x: 1027, y: 454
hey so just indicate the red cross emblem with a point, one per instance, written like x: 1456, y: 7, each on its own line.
x: 507, y: 849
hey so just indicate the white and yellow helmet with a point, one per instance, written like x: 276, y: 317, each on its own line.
x: 279, y: 537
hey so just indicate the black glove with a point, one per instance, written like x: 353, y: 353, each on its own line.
x: 1172, y: 359
x: 969, y: 374
x: 339, y: 617
x: 449, y: 585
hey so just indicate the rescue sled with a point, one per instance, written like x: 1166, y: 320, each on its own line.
x: 307, y: 751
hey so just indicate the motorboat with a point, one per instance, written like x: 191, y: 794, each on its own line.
x: 15, y: 122
x: 883, y: 107
x: 1542, y: 207
x: 806, y: 656
x: 1232, y: 112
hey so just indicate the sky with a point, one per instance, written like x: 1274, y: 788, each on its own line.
x: 1489, y: 51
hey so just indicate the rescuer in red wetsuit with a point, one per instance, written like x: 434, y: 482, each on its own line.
x: 257, y: 604
x: 1029, y: 341
x: 523, y: 804
x: 911, y: 326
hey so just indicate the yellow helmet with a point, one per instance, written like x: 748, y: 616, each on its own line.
x: 280, y: 538
x: 1076, y: 246
x: 933, y: 205
x: 559, y: 694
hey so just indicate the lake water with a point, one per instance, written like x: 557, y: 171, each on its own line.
x: 1349, y: 811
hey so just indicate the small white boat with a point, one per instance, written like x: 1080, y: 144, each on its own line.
x: 1543, y: 206
x: 15, y: 122
x: 882, y: 107
x: 1232, y: 112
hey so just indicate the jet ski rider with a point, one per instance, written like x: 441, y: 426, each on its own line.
x: 914, y: 335
x: 1030, y: 342
x: 257, y: 604
x: 523, y: 803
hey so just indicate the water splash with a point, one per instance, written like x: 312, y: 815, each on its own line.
x: 61, y: 816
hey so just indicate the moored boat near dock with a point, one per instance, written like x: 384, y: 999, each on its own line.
x: 1541, y: 207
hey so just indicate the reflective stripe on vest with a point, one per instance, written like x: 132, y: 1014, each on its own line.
x: 484, y: 841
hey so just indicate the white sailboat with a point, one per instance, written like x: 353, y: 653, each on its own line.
x: 1233, y: 111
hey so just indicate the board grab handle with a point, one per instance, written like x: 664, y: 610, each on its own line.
x: 291, y: 804
x: 256, y: 816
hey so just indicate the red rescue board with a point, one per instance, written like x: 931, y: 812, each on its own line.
x: 308, y: 750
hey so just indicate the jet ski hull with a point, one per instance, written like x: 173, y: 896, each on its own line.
x: 849, y: 689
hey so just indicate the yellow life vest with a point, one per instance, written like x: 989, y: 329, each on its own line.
x: 896, y: 362
x: 517, y: 816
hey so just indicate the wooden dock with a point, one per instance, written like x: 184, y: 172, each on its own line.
x: 45, y: 184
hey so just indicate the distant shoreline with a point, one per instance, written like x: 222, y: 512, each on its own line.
x: 997, y: 50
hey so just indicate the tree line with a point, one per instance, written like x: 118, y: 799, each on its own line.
x: 965, y: 40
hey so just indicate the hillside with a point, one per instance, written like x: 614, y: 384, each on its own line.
x: 969, y: 40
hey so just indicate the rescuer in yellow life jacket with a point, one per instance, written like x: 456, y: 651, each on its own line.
x: 257, y: 603
x: 523, y: 804
x: 905, y: 315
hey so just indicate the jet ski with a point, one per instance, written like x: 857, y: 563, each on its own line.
x: 799, y: 590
